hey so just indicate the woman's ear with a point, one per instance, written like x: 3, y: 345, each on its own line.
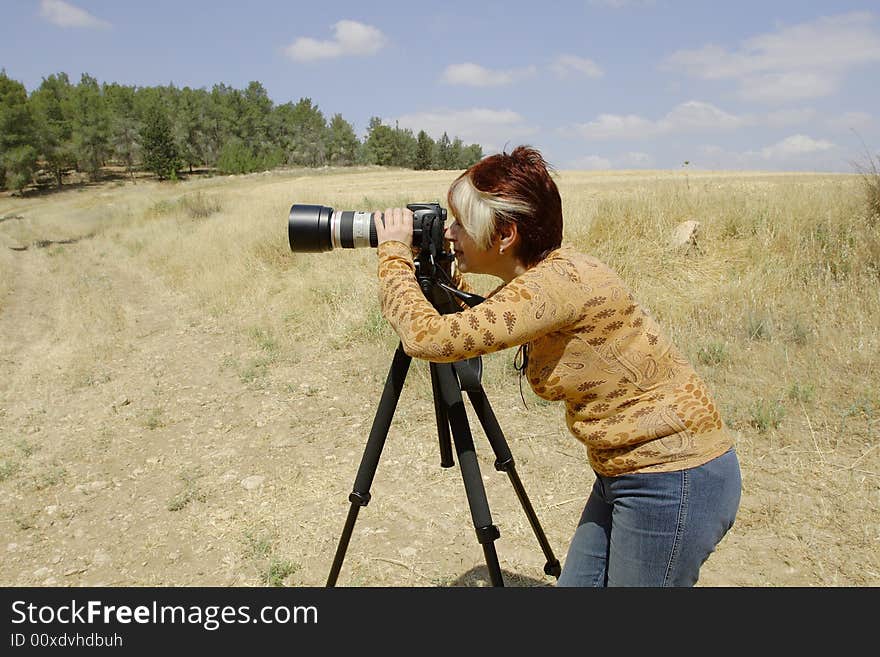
x: 508, y: 237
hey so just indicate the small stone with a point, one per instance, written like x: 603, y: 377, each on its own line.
x: 685, y: 234
x: 253, y: 482
x: 91, y: 487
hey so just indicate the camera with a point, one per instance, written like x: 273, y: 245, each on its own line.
x: 316, y: 228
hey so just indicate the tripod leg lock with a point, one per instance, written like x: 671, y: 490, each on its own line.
x: 487, y: 534
x: 504, y: 466
x: 361, y: 499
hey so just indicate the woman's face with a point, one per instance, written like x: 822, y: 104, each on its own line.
x: 469, y: 257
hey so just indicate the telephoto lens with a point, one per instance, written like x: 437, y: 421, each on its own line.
x: 316, y: 228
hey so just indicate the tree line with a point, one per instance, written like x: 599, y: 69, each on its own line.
x: 61, y: 127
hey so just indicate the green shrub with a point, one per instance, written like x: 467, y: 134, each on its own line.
x: 758, y: 326
x: 714, y: 353
x: 801, y: 393
x: 199, y: 206
x: 277, y: 571
x: 766, y: 415
x: 236, y: 157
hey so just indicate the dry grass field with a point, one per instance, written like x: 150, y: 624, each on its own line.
x: 185, y: 402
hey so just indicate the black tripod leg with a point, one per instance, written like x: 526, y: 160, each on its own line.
x: 446, y: 460
x: 470, y: 469
x: 504, y: 462
x: 360, y: 495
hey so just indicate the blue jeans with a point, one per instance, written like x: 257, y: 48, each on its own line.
x: 653, y: 529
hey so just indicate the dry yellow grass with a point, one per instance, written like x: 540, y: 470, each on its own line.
x: 158, y: 312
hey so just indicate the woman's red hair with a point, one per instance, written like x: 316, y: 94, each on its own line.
x: 521, y: 178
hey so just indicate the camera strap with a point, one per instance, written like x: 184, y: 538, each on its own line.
x: 520, y: 363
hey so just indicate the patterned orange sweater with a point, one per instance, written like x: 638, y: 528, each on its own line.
x: 630, y: 397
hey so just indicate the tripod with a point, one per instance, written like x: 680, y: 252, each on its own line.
x: 448, y: 381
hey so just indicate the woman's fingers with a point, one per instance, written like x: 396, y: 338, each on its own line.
x: 396, y: 225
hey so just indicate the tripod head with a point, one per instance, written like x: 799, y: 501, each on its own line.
x: 434, y: 262
x: 434, y: 273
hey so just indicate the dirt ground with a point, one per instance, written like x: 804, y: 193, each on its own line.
x: 160, y: 464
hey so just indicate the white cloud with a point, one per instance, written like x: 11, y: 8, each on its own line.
x: 789, y: 86
x: 695, y: 115
x: 789, y: 117
x: 474, y: 75
x: 636, y: 160
x: 610, y: 126
x: 590, y: 163
x: 492, y: 129
x: 796, y: 153
x: 64, y: 14
x: 565, y: 65
x: 795, y: 146
x: 716, y: 157
x: 350, y: 38
x: 631, y: 160
x: 851, y: 121
x: 692, y: 116
x: 807, y: 60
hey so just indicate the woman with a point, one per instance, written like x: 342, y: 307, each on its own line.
x: 667, y: 482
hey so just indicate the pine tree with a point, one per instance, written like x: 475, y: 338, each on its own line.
x: 124, y: 125
x: 308, y: 134
x: 444, y: 150
x: 159, y: 152
x: 380, y: 143
x: 91, y: 125
x: 18, y: 156
x: 456, y: 152
x: 424, y: 151
x: 256, y: 113
x: 342, y: 145
x: 471, y: 155
x: 405, y: 147
x: 54, y: 127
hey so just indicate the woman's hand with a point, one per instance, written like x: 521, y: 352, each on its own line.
x: 398, y: 226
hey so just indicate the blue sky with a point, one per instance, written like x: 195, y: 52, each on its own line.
x: 595, y: 84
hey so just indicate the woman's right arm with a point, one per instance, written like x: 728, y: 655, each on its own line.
x: 534, y: 304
